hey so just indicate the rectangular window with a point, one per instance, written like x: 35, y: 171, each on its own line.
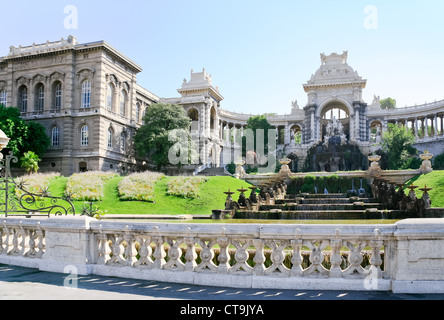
x: 58, y: 96
x: 86, y: 94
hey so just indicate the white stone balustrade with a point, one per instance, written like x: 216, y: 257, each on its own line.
x: 403, y: 257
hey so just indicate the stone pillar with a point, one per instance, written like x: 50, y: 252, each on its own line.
x: 312, y: 124
x: 416, y: 128
x: 435, y: 126
x: 358, y: 129
x: 426, y: 124
x: 68, y: 245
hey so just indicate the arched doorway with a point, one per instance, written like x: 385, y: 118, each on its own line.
x: 335, y: 120
x: 375, y: 131
x: 296, y: 134
x: 193, y: 114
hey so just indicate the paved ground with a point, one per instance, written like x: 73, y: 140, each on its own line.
x: 18, y: 283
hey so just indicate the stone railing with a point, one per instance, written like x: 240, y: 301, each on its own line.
x: 403, y: 257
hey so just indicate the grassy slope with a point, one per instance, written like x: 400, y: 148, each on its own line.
x: 433, y: 180
x: 211, y: 197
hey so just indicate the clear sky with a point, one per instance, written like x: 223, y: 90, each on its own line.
x: 259, y: 52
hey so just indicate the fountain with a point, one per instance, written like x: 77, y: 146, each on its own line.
x: 335, y: 153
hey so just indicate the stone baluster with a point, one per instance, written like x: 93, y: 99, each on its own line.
x: 224, y: 256
x: 159, y: 254
x: 296, y: 260
x: 259, y: 257
x: 145, y: 252
x: 375, y: 260
x: 191, y: 254
x: 174, y: 254
x: 130, y: 252
x: 335, y: 260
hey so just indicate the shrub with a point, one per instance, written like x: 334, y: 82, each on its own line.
x: 88, y: 186
x: 139, y: 186
x: 438, y: 163
x: 35, y: 183
x: 186, y: 187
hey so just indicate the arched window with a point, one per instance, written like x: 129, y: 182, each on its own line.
x: 23, y: 99
x: 122, y: 103
x: 84, y: 136
x: 110, y: 138
x: 110, y: 97
x: 86, y: 94
x: 123, y: 141
x: 3, y: 98
x: 55, y: 136
x: 40, y: 97
x: 58, y: 95
x: 137, y: 112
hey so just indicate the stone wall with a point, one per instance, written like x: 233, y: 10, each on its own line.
x: 404, y: 257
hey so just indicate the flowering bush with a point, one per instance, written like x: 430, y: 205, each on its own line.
x: 187, y: 187
x: 88, y: 186
x: 139, y: 186
x: 36, y: 183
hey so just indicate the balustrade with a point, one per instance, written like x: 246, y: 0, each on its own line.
x: 245, y: 253
x: 324, y: 257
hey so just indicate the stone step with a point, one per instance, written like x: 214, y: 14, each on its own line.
x: 324, y: 215
x: 321, y: 207
x: 324, y: 200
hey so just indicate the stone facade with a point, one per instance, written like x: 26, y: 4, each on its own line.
x: 67, y: 86
x: 87, y: 97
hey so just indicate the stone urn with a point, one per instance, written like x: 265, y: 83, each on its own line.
x: 285, y: 169
x: 374, y: 170
x: 426, y: 166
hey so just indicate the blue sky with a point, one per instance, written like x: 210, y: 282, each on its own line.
x: 258, y: 52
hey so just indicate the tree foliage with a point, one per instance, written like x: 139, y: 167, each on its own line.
x: 25, y: 136
x: 30, y: 161
x: 152, y: 139
x: 397, y: 144
x: 257, y: 123
x: 388, y: 103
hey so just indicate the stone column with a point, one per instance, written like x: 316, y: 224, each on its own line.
x: 426, y: 124
x: 435, y: 126
x: 357, y: 122
x: 416, y: 128
x: 312, y: 124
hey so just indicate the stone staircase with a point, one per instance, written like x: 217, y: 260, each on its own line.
x: 321, y: 207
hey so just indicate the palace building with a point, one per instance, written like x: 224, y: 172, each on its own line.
x: 88, y: 98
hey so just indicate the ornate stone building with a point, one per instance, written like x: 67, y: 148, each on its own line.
x: 86, y: 95
x: 88, y: 98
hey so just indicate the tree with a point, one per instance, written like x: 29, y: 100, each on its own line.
x: 388, y: 103
x: 397, y: 144
x: 25, y: 136
x: 30, y: 161
x: 153, y: 140
x: 257, y: 123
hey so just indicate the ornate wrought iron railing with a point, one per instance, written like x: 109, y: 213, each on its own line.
x: 26, y: 203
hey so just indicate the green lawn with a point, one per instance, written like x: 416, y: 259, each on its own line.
x: 211, y: 197
x: 433, y: 180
